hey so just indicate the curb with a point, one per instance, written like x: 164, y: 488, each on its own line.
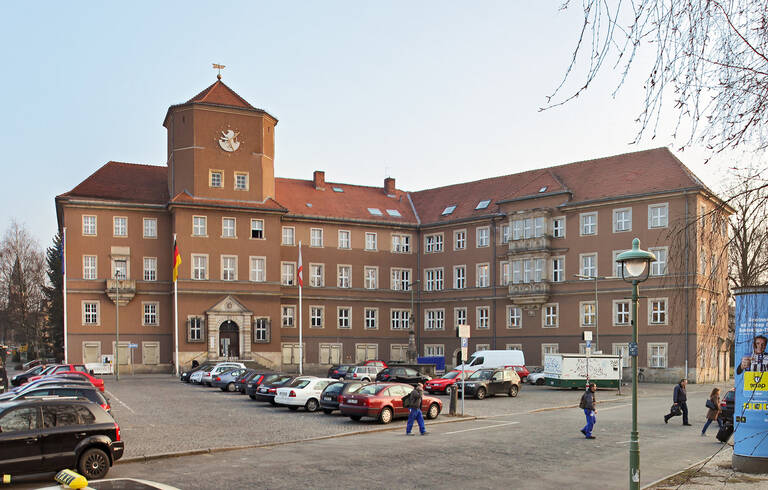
x: 698, y: 463
x: 193, y: 452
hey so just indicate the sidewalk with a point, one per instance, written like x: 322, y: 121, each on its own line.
x: 713, y: 472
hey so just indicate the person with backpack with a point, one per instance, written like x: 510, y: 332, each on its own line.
x: 587, y: 403
x: 412, y: 401
x: 713, y: 412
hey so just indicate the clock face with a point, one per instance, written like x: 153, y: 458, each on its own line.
x: 228, y: 140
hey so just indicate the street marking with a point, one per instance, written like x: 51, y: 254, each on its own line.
x: 481, y: 428
x: 113, y: 397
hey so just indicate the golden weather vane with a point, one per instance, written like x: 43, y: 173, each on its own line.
x: 219, y: 67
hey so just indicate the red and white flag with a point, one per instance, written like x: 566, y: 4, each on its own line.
x: 300, y: 269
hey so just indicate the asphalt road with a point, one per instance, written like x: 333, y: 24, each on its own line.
x: 532, y: 441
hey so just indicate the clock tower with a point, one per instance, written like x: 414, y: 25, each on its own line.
x: 220, y: 147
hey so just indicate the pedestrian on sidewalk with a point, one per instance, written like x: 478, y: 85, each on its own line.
x: 679, y: 399
x: 412, y: 401
x: 588, y: 402
x: 713, y: 412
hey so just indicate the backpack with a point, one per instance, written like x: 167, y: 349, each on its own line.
x: 583, y: 402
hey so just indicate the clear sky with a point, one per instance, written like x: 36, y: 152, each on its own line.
x: 430, y: 93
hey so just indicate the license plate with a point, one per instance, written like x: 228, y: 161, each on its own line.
x: 354, y: 402
x: 328, y: 398
x: 262, y: 390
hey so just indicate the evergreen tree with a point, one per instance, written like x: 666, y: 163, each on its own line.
x: 54, y: 299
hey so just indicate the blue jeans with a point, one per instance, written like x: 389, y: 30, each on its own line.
x: 709, y: 421
x: 591, y: 421
x: 415, y: 414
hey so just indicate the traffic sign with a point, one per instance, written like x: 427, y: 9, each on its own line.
x: 633, y: 351
x: 464, y: 342
x: 133, y: 346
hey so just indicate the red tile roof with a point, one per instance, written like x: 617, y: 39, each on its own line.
x: 352, y: 203
x: 219, y: 93
x: 641, y: 172
x: 125, y: 182
x: 186, y: 198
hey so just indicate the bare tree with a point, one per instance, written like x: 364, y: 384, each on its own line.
x: 748, y: 251
x: 22, y: 276
x: 711, y: 62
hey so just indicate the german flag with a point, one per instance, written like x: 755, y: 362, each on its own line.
x: 176, y: 261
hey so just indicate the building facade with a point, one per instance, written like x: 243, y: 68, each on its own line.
x: 527, y: 259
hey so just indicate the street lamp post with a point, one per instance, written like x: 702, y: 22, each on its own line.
x: 597, y: 327
x: 118, y: 275
x: 635, y: 267
x: 412, y: 317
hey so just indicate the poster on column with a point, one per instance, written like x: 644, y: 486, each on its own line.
x: 750, y: 415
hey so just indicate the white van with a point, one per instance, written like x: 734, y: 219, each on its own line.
x: 493, y: 359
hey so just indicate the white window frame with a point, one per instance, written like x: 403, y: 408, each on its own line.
x: 653, y: 316
x: 460, y: 316
x: 344, y: 276
x: 434, y: 350
x: 588, y: 271
x: 150, y: 269
x: 460, y: 239
x: 344, y: 317
x: 658, y: 215
x: 211, y: 180
x: 399, y: 319
x: 658, y: 360
x: 96, y: 313
x: 514, y: 317
x: 200, y: 223
x: 284, y: 272
x: 90, y: 222
x: 505, y: 273
x: 257, y: 268
x: 558, y: 231
x: 616, y: 269
x: 371, y: 276
x: 119, y: 226
x: 483, y: 275
x: 288, y: 316
x: 371, y: 241
x: 229, y: 267
x: 401, y: 243
x: 588, y: 227
x: 434, y: 279
x: 150, y: 310
x: 713, y: 313
x: 288, y: 236
x: 587, y: 314
x: 370, y: 318
x: 316, y: 237
x: 625, y: 223
x: 195, y: 324
x: 90, y: 267
x: 483, y: 317
x: 618, y: 314
x: 317, y: 316
x: 550, y: 319
x: 345, y: 239
x: 150, y: 227
x: 260, y: 329
x: 482, y: 236
x: 702, y: 312
x: 193, y: 269
x: 398, y: 281
x: 246, y: 181
x: 226, y: 229
x: 433, y: 243
x: 558, y: 273
x: 434, y: 319
x: 258, y: 228
x: 549, y: 348
x: 316, y: 275
x: 459, y: 279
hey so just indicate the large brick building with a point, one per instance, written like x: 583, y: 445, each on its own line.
x: 500, y: 254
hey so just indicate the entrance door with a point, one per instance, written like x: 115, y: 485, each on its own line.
x: 229, y: 339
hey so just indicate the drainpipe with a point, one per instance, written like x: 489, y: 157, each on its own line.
x: 493, y: 282
x: 687, y: 291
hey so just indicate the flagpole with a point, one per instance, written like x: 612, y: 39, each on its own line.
x: 301, y: 346
x: 175, y: 308
x: 64, y: 280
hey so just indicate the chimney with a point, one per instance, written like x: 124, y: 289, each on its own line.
x: 319, y: 179
x: 389, y: 186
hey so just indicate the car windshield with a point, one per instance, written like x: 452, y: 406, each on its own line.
x: 344, y: 369
x: 450, y: 375
x: 371, y: 389
x: 482, y: 374
x: 334, y: 388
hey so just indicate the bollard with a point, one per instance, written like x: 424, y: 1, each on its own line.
x: 454, y: 399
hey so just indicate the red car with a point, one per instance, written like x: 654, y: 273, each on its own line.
x: 521, y: 371
x: 444, y: 383
x: 77, y: 369
x: 378, y: 364
x: 383, y: 401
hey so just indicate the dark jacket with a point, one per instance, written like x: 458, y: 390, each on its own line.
x: 679, y: 395
x: 589, y: 400
x: 413, y: 399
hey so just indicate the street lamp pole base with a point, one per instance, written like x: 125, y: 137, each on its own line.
x: 634, y: 462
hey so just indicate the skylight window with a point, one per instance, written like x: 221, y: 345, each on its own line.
x: 309, y: 204
x: 375, y: 211
x: 543, y: 189
x: 394, y: 212
x: 338, y: 189
x: 483, y: 204
x: 449, y: 210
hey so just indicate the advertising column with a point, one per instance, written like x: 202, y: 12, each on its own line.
x: 750, y: 414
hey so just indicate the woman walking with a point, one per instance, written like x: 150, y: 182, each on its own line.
x: 713, y: 404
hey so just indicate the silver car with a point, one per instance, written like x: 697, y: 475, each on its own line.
x: 226, y: 380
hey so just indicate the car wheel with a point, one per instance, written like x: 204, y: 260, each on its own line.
x: 253, y: 397
x: 311, y: 405
x: 513, y: 390
x: 540, y: 381
x: 365, y: 380
x: 273, y: 402
x: 385, y: 416
x: 292, y: 407
x: 231, y: 387
x: 355, y: 417
x: 341, y: 378
x: 480, y: 393
x: 433, y: 411
x: 327, y: 411
x: 449, y: 390
x: 93, y: 464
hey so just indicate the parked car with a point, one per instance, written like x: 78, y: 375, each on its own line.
x: 72, y: 370
x: 88, y: 392
x: 265, y: 379
x: 267, y: 391
x: 375, y: 362
x: 384, y: 403
x: 33, y: 363
x: 446, y: 382
x: 726, y: 406
x: 196, y: 377
x: 485, y: 382
x: 362, y: 373
x: 226, y: 379
x: 22, y: 378
x: 521, y: 371
x: 242, y: 381
x: 53, y: 380
x: 184, y: 377
x: 218, y: 369
x: 339, y: 371
x: 329, y: 398
x: 401, y: 374
x: 306, y: 393
x: 487, y: 359
x: 86, y: 437
x: 536, y: 377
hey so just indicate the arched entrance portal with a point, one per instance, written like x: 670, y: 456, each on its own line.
x: 229, y: 339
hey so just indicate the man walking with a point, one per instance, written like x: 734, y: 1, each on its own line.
x: 412, y: 401
x: 679, y: 399
x: 588, y: 402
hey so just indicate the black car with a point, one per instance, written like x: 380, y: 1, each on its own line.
x: 184, y: 377
x: 726, y: 406
x: 252, y: 387
x: 50, y: 434
x: 242, y: 381
x: 22, y: 378
x: 485, y: 382
x: 338, y: 372
x: 401, y: 374
x: 267, y: 390
x: 329, y: 399
x: 79, y: 390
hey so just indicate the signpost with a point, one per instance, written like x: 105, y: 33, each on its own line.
x: 462, y: 331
